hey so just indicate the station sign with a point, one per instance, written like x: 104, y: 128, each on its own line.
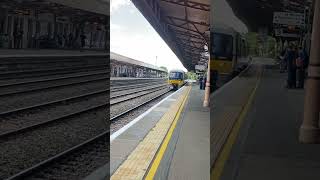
x: 280, y: 32
x: 289, y: 18
x: 200, y: 67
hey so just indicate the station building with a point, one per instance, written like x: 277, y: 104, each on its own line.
x: 53, y: 23
x: 122, y: 66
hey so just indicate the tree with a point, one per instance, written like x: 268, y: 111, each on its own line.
x: 191, y: 75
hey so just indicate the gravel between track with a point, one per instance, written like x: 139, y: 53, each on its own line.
x: 142, y: 93
x: 122, y: 121
x: 20, y: 80
x: 24, y: 150
x: 79, y: 164
x: 38, y: 85
x: 29, y: 117
x: 22, y: 100
x: 121, y: 107
x: 134, y: 89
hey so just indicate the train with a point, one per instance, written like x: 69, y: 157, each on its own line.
x: 177, y: 78
x: 226, y: 48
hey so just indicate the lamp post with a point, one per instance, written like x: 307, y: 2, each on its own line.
x: 156, y: 60
x: 309, y: 130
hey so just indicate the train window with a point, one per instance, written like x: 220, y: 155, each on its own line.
x: 175, y: 75
x: 222, y: 46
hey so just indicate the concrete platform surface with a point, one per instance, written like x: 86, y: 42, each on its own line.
x: 226, y: 105
x: 267, y: 146
x: 183, y: 155
x: 190, y: 148
x: 124, y: 144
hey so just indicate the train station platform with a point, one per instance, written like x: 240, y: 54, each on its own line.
x: 169, y: 141
x: 255, y: 127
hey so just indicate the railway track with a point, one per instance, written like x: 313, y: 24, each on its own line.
x: 124, y: 98
x: 53, y: 120
x: 129, y: 87
x: 124, y: 83
x: 56, y: 166
x: 51, y: 78
x: 28, y: 87
x: 51, y: 125
x: 138, y: 89
x: 119, y: 115
x: 49, y: 71
x: 62, y: 144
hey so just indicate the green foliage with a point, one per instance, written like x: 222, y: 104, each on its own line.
x: 258, y: 47
x: 191, y: 75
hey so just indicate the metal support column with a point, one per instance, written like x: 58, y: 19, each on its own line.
x: 206, y: 101
x: 310, y: 131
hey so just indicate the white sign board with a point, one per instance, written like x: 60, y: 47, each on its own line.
x: 280, y: 33
x: 200, y: 67
x: 288, y: 18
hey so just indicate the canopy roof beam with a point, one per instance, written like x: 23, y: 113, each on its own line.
x: 190, y: 4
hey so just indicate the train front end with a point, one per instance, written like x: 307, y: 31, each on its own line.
x: 176, y: 79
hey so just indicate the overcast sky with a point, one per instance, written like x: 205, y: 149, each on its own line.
x: 131, y: 34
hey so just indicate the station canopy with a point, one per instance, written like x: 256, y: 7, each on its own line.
x: 259, y: 13
x: 183, y: 25
x: 127, y: 60
x: 92, y: 11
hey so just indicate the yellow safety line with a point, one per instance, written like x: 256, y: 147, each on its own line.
x: 159, y: 156
x: 226, y: 150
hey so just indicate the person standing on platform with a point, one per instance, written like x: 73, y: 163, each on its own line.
x: 20, y: 36
x: 200, y: 82
x: 291, y: 57
x: 204, y: 83
x: 283, y: 63
x: 15, y: 38
x: 301, y: 65
x: 83, y: 40
x: 70, y: 40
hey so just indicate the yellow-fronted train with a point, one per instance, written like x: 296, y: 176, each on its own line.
x: 177, y: 79
x: 226, y: 49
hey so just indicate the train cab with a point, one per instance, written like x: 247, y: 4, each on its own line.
x: 227, y: 46
x: 176, y: 79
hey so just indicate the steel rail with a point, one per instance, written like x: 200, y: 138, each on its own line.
x: 112, y: 119
x: 57, y: 157
x: 128, y: 99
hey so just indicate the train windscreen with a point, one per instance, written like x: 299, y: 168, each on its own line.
x: 175, y: 75
x: 221, y: 46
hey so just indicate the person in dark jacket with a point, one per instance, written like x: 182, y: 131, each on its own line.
x: 83, y: 40
x: 301, y: 65
x: 283, y: 63
x: 291, y: 57
x: 204, y: 83
x: 200, y: 82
